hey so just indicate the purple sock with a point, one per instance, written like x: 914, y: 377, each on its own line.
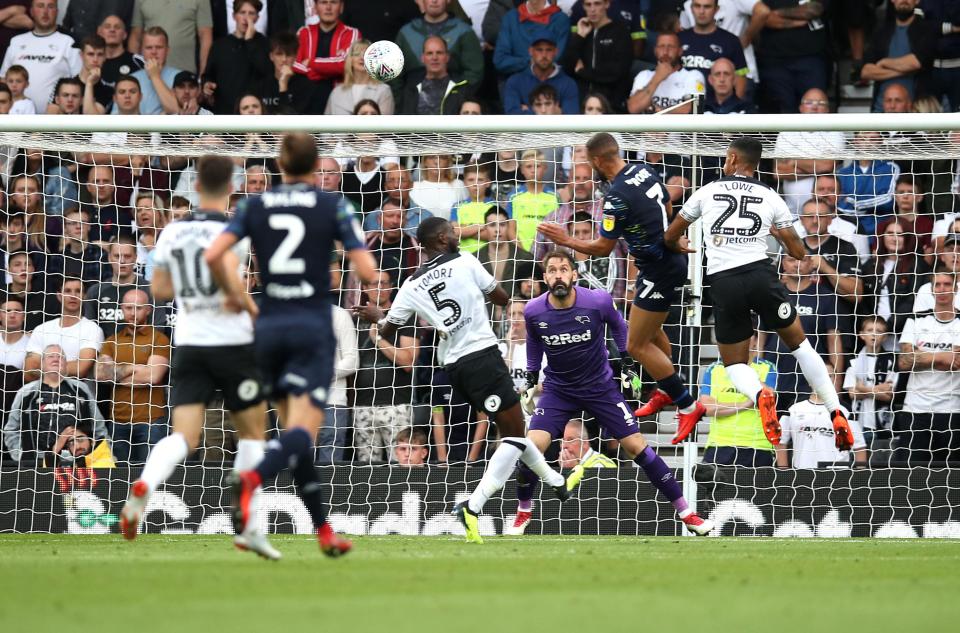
x: 527, y: 481
x: 673, y: 386
x: 661, y: 477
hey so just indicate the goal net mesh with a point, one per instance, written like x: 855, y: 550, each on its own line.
x: 877, y: 210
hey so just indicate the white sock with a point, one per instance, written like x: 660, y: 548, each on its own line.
x: 815, y: 371
x: 745, y: 380
x: 249, y: 455
x: 534, y: 460
x: 164, y: 457
x: 501, y: 466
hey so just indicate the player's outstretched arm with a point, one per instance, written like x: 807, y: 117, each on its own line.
x: 789, y: 239
x: 600, y: 246
x: 676, y: 235
x: 498, y: 296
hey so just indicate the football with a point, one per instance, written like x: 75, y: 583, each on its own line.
x: 383, y: 60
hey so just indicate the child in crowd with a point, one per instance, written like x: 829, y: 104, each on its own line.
x: 870, y: 380
x: 18, y: 79
x: 468, y: 215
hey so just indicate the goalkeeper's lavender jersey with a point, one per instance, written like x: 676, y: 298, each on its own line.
x: 574, y: 340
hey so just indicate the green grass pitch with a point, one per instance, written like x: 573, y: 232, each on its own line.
x: 426, y: 584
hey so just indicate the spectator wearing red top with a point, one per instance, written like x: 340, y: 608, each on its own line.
x: 908, y: 212
x: 323, y: 51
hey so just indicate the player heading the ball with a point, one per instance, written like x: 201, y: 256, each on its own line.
x: 637, y: 208
x: 738, y: 213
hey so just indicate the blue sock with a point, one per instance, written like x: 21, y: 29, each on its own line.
x: 295, y: 444
x: 661, y: 477
x: 673, y: 386
x: 527, y: 481
x: 308, y: 485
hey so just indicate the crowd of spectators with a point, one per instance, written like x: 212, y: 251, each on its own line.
x: 877, y: 294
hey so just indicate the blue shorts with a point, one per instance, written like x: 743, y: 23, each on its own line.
x: 659, y: 286
x: 296, y: 357
x: 607, y: 406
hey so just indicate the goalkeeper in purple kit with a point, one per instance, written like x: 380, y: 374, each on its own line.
x: 569, y: 324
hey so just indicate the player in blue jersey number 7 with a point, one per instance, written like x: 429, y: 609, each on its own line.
x: 636, y: 207
x: 292, y: 229
x: 569, y: 324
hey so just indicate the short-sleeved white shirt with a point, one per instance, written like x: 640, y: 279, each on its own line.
x: 932, y: 390
x: 47, y: 58
x: 808, y: 428
x: 85, y: 334
x: 676, y: 88
x: 13, y: 354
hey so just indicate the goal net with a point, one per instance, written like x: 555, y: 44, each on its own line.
x: 875, y: 199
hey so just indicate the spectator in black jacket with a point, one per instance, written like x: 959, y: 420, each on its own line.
x: 238, y: 62
x: 43, y: 409
x: 78, y: 257
x: 380, y: 19
x: 722, y: 98
x: 902, y: 52
x: 599, y: 54
x: 945, y: 77
x: 284, y: 91
x: 431, y: 90
x: 896, y: 272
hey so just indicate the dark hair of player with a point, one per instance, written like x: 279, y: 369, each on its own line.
x: 603, y: 145
x: 298, y: 154
x: 750, y: 150
x: 431, y: 229
x: 214, y: 174
x: 558, y: 253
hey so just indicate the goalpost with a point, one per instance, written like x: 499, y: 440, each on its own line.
x: 108, y: 166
